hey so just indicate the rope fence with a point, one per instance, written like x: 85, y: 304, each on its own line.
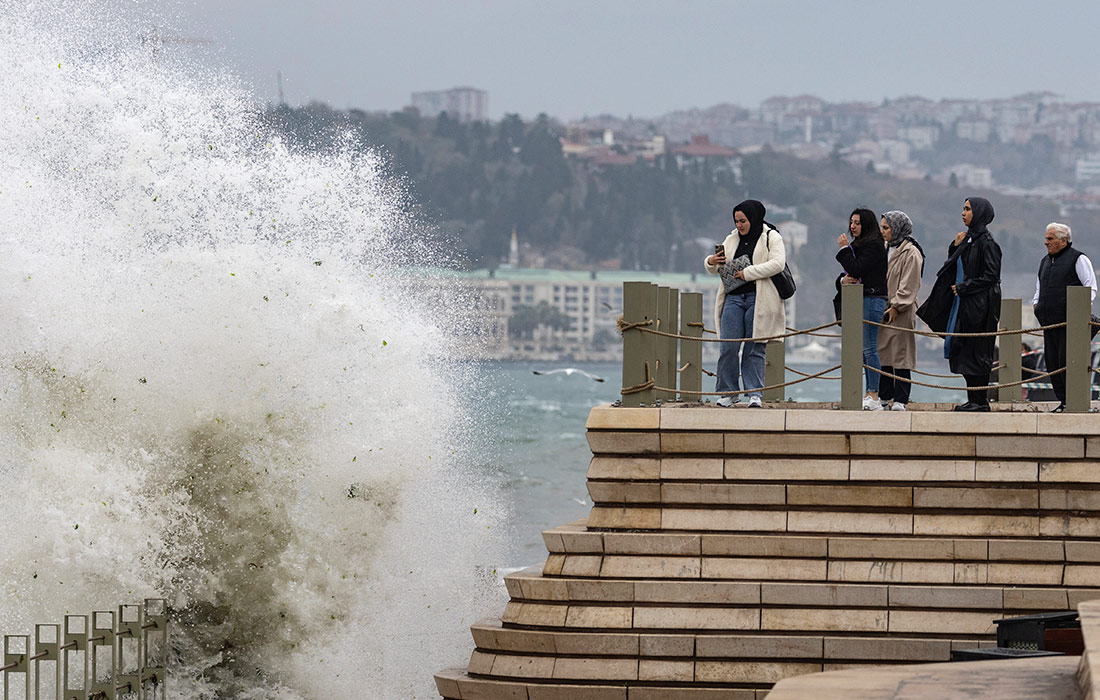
x: 664, y: 330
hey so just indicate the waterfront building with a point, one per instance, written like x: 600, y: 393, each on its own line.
x: 484, y: 303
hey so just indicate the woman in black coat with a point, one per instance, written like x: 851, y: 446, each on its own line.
x: 863, y: 258
x: 966, y: 298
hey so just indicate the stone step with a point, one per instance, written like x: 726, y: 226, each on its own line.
x: 816, y: 420
x: 958, y: 472
x: 661, y: 567
x: 1049, y: 497
x: 570, y: 615
x: 530, y: 585
x: 821, y: 444
x: 1017, y: 525
x: 576, y: 539
x: 457, y: 684
x: 492, y: 636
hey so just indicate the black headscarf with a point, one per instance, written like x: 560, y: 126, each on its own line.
x: 754, y: 211
x: 981, y: 215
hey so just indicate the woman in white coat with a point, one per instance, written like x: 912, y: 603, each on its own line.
x: 747, y: 304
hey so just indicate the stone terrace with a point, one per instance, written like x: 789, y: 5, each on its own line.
x: 728, y: 549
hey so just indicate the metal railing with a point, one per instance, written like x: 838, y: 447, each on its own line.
x: 108, y: 655
x: 663, y: 338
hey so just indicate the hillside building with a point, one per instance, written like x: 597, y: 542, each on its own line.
x: 466, y: 104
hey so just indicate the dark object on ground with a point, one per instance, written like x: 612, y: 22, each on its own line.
x: 1057, y: 631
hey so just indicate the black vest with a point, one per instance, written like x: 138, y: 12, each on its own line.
x: 1056, y: 272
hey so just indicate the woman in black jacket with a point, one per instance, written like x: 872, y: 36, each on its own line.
x: 864, y: 261
x: 966, y: 298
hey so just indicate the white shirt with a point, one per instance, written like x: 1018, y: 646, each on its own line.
x: 1085, y: 273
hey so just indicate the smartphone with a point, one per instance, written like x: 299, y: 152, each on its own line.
x: 719, y: 249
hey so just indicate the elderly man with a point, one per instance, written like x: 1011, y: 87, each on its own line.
x: 1063, y: 266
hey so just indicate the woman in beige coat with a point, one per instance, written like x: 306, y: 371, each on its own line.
x: 897, y: 348
x: 747, y: 305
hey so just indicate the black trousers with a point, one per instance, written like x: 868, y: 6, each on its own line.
x: 888, y: 388
x: 980, y: 396
x: 1054, y: 350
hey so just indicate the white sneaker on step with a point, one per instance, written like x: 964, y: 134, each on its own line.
x: 725, y: 401
x: 898, y: 407
x: 871, y: 404
x: 754, y: 402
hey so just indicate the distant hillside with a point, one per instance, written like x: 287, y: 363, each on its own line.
x: 475, y: 182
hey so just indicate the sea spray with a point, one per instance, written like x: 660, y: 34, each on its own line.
x: 218, y: 386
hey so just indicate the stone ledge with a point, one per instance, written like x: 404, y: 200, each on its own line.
x: 1047, y: 678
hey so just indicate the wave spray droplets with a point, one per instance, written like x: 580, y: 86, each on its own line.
x: 192, y: 407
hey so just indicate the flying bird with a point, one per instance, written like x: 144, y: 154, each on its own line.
x: 568, y: 371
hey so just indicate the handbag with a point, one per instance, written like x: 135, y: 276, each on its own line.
x: 783, y: 281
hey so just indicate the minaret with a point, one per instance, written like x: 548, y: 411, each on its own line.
x: 513, y: 250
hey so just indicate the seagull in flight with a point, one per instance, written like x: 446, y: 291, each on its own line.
x: 568, y: 371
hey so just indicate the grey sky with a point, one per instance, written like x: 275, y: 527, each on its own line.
x: 575, y: 57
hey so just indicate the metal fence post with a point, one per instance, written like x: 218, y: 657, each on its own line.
x: 661, y: 343
x: 128, y: 670
x: 639, y: 350
x: 851, y: 347
x: 775, y: 360
x: 17, y: 649
x: 1008, y: 349
x: 1078, y: 342
x: 47, y: 643
x: 154, y: 649
x: 103, y: 655
x: 691, y: 351
x: 76, y: 642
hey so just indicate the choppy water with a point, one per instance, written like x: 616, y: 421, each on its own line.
x: 212, y: 387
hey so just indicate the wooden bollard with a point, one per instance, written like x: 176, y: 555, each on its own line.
x: 1008, y: 350
x: 851, y: 347
x: 691, y: 351
x: 1078, y: 346
x: 639, y: 348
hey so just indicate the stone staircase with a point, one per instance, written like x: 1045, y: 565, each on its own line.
x: 728, y: 549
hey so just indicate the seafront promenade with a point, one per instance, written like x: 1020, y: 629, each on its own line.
x: 728, y: 549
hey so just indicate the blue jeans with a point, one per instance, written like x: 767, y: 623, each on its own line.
x: 737, y: 323
x: 873, y: 309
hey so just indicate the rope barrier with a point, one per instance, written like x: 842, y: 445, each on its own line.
x: 13, y: 664
x: 965, y: 388
x: 623, y: 326
x: 686, y: 365
x: 792, y: 369
x: 986, y: 334
x: 641, y: 325
x: 633, y: 390
x: 819, y: 335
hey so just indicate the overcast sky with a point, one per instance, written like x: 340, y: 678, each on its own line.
x: 572, y: 58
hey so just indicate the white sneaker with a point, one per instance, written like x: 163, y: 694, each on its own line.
x: 870, y: 404
x: 725, y: 401
x: 754, y: 402
x: 898, y: 407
